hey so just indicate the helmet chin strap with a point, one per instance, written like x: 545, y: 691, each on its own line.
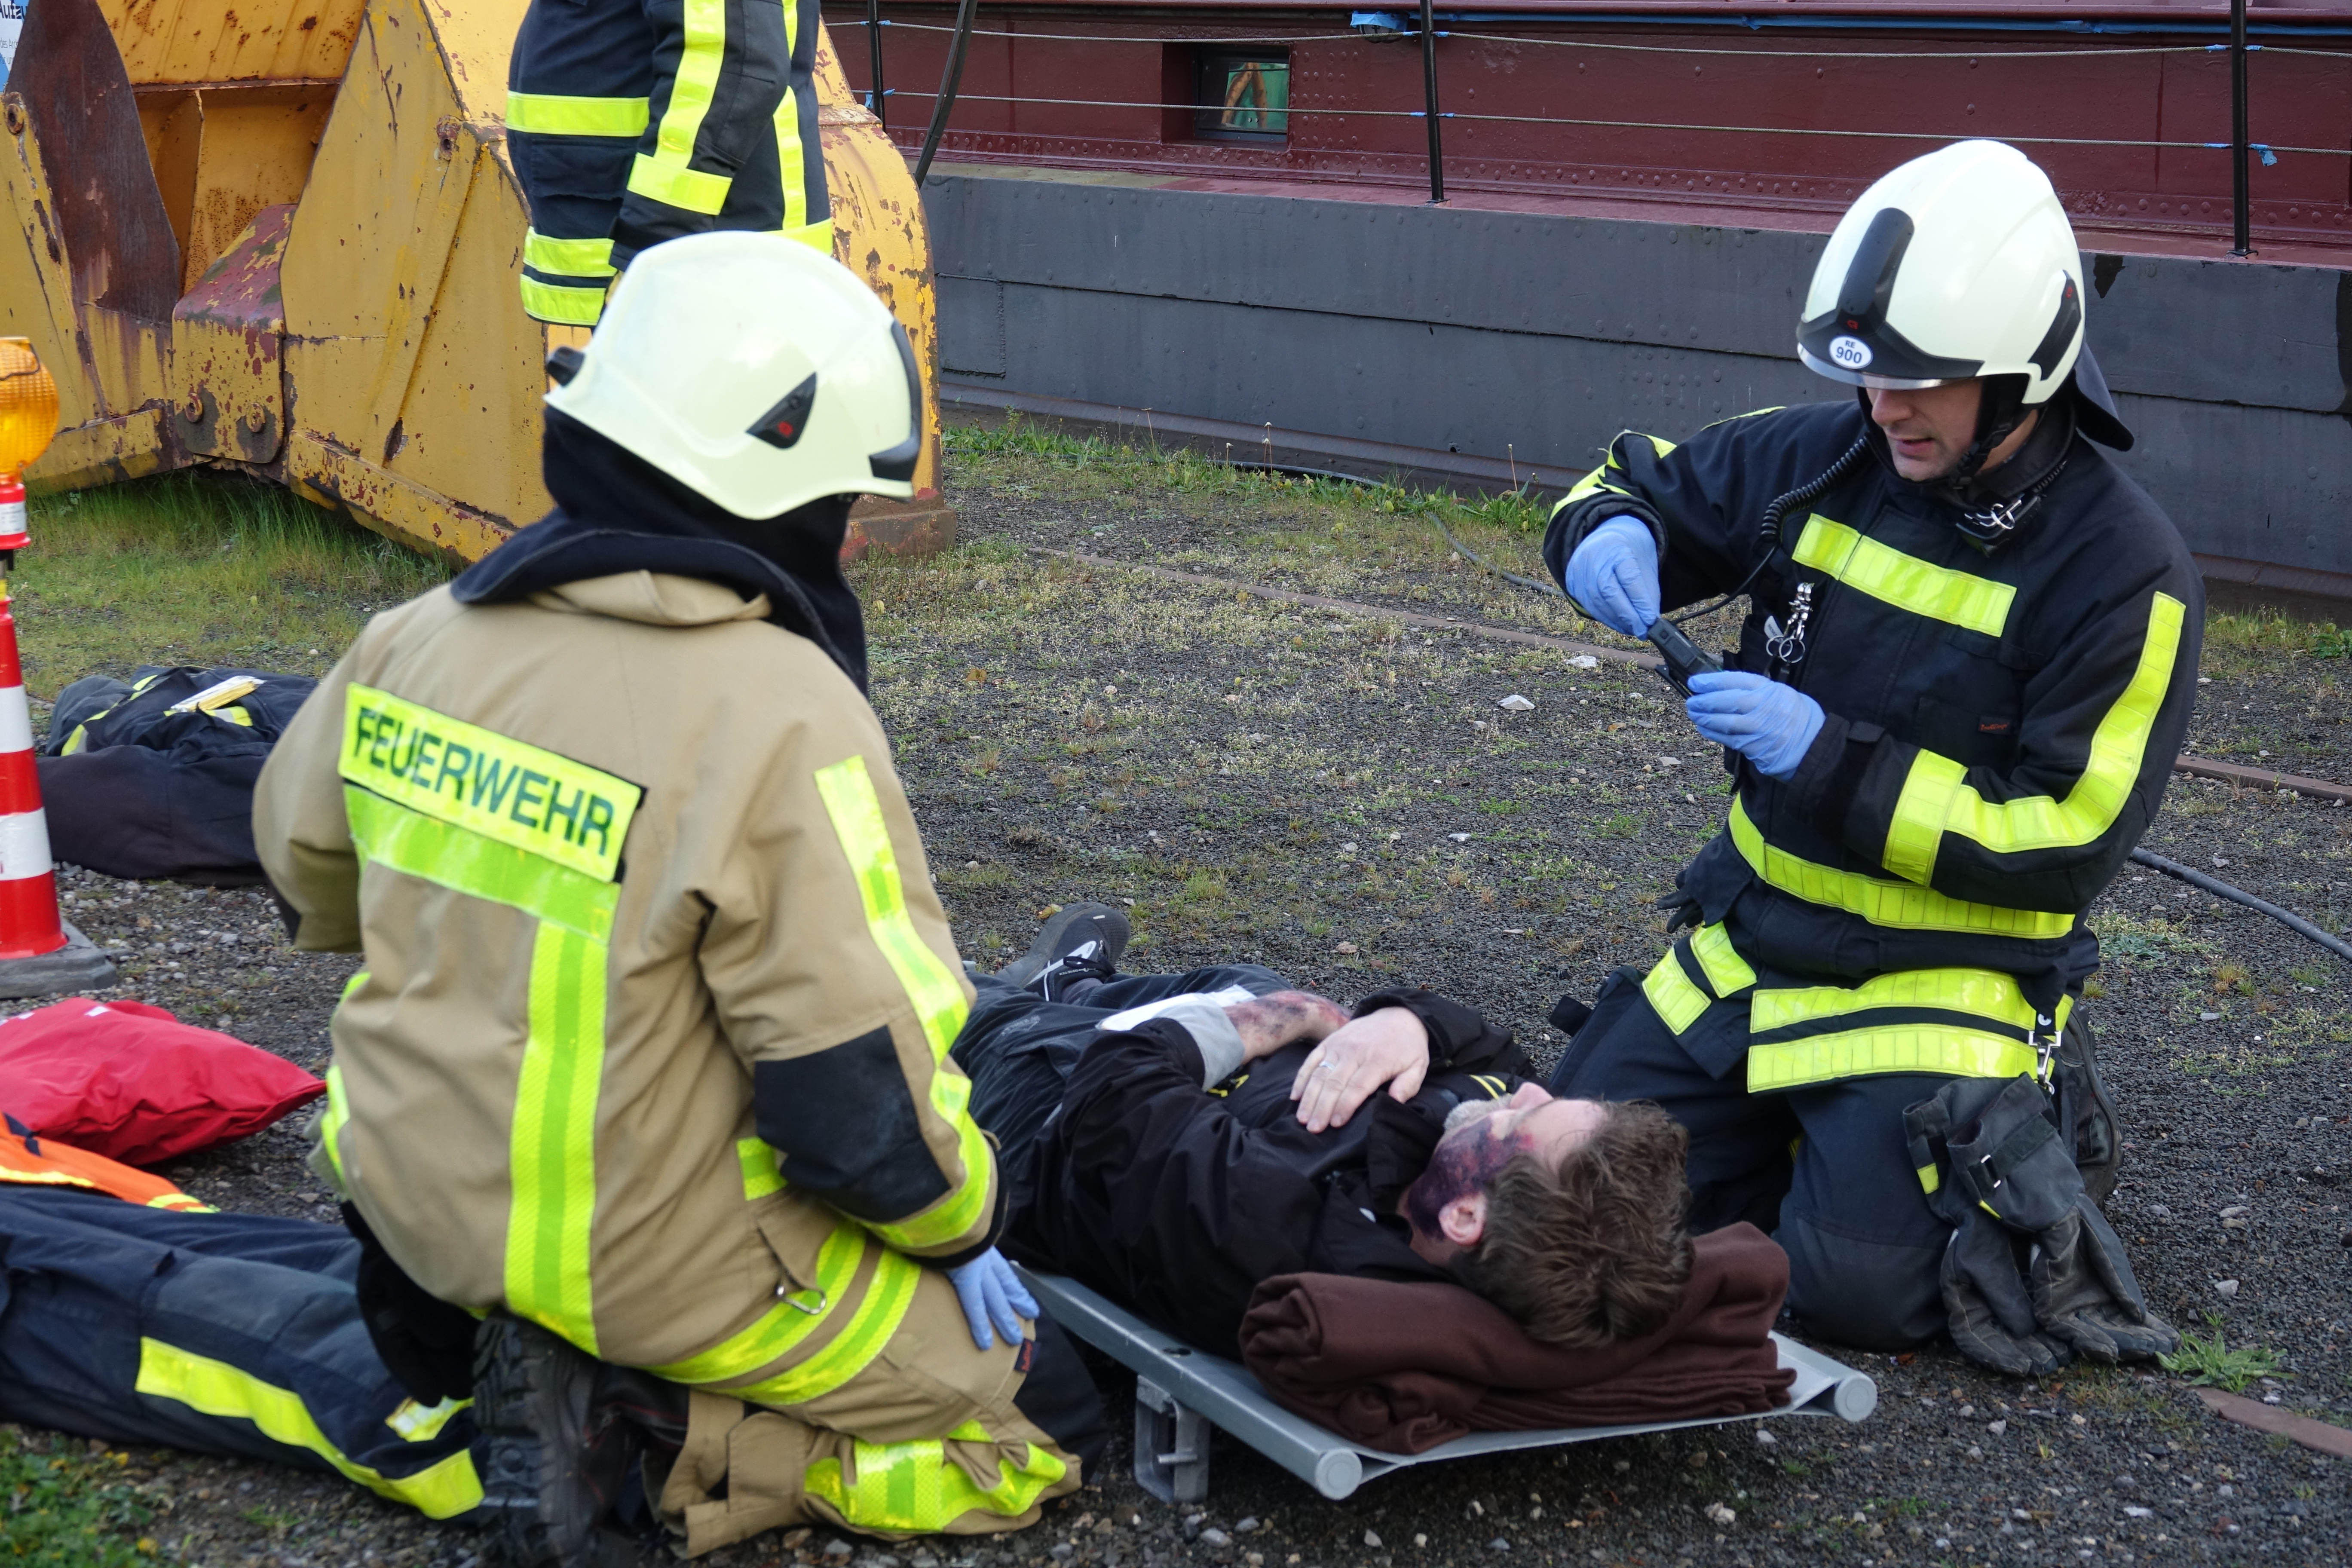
x: 1999, y: 412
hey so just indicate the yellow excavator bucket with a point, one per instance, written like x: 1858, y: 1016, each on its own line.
x: 284, y: 238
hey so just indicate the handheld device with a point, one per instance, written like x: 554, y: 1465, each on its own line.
x: 1683, y: 656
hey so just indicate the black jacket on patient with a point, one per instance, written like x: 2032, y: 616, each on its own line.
x: 1175, y: 1201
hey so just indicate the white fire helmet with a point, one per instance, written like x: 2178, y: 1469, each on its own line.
x: 1955, y: 265
x: 753, y: 370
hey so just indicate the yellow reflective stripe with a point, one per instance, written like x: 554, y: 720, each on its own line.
x: 691, y: 189
x: 1726, y: 971
x: 1938, y: 593
x: 879, y: 1313
x: 521, y: 795
x: 1900, y: 906
x: 48, y: 1179
x: 1952, y: 1050
x: 551, y: 1152
x: 1937, y: 799
x: 357, y: 979
x: 179, y: 1202
x: 1979, y: 993
x: 464, y: 862
x: 1931, y: 1178
x: 418, y: 1423
x: 847, y: 790
x: 665, y: 175
x: 758, y: 1159
x: 565, y: 304
x: 557, y: 114
x: 1677, y: 997
x: 791, y: 156
x: 339, y: 1110
x: 784, y: 1326
x: 915, y: 1487
x: 441, y: 1490
x: 567, y: 257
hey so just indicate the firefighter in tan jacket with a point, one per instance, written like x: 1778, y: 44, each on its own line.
x: 650, y: 1051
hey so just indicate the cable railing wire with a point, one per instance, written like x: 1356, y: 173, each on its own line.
x: 1993, y: 51
x: 1297, y: 109
x: 2240, y: 146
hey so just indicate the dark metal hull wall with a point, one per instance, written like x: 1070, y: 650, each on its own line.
x: 1535, y: 338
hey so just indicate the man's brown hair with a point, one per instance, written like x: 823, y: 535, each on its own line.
x: 1596, y: 1249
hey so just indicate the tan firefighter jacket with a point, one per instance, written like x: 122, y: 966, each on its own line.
x: 652, y: 1043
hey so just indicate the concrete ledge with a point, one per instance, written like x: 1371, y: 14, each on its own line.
x: 2305, y: 591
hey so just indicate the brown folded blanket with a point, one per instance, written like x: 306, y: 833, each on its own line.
x: 1403, y: 1368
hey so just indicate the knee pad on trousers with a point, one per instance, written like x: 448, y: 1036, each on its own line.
x: 1872, y: 1295
x: 1059, y: 1395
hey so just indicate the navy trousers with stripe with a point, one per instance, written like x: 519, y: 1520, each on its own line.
x: 235, y: 1312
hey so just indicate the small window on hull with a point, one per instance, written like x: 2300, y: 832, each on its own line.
x: 1243, y: 96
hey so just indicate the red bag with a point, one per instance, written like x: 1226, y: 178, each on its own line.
x: 131, y: 1082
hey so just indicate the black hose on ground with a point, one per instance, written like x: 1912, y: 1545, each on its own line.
x: 948, y: 81
x: 2214, y: 885
x: 1551, y: 590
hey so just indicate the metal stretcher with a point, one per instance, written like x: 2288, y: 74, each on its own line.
x: 1181, y: 1392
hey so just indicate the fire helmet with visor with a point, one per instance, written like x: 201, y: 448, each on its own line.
x: 1957, y: 264
x: 753, y: 370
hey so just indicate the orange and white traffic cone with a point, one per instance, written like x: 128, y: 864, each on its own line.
x: 40, y: 954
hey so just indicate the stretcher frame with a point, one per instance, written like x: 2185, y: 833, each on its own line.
x: 1180, y: 1393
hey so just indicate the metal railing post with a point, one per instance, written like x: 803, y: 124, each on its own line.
x: 944, y: 105
x: 2241, y: 240
x: 1429, y: 89
x: 874, y: 46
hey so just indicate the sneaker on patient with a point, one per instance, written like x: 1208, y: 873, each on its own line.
x: 1076, y: 949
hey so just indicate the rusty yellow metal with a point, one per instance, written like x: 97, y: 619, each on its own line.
x: 227, y: 334
x: 230, y: 259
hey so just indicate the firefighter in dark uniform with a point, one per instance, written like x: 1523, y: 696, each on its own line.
x: 1969, y: 662
x: 633, y: 121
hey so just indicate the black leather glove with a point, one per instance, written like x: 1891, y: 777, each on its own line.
x: 2085, y: 1292
x: 2005, y: 1177
x: 1988, y: 1306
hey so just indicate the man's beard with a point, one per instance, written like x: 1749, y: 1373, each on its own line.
x: 1462, y: 1163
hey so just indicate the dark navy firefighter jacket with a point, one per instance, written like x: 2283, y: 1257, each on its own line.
x: 2000, y: 721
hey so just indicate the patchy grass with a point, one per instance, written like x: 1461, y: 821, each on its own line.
x: 61, y: 1507
x: 1378, y: 542
x: 198, y: 568
x: 1182, y: 470
x: 2214, y: 1363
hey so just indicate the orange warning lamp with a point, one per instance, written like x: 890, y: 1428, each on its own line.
x: 29, y: 423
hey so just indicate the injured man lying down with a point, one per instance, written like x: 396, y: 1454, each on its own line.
x: 1257, y: 1170
x: 1248, y: 1165
x: 1172, y: 1141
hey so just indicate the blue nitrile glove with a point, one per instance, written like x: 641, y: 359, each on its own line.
x: 1614, y: 575
x: 1770, y: 724
x: 991, y: 1293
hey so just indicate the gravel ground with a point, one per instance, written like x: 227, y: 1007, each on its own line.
x: 1345, y: 802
